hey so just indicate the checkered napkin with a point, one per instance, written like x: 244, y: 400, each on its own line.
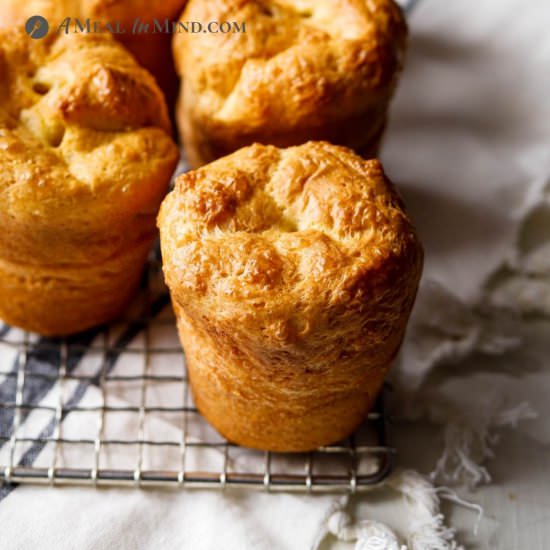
x: 86, y: 407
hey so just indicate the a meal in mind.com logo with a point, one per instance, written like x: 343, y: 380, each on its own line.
x: 38, y: 27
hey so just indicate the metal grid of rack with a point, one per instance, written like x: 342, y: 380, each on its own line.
x: 58, y: 398
x: 113, y: 407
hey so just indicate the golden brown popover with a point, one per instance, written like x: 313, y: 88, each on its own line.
x: 303, y: 70
x: 85, y: 159
x: 292, y: 274
x: 152, y: 50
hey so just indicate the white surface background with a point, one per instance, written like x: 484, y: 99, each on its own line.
x: 468, y: 142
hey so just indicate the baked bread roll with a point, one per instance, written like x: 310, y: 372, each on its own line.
x: 85, y: 160
x: 303, y: 70
x: 151, y: 49
x: 292, y: 274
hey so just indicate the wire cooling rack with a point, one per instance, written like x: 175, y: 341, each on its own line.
x: 112, y: 407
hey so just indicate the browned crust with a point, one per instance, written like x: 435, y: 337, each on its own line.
x: 303, y: 70
x: 86, y: 158
x: 292, y: 272
x: 151, y: 50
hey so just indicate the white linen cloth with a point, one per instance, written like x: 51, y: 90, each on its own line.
x: 468, y: 146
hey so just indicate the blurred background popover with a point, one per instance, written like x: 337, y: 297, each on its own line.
x: 303, y: 70
x: 151, y: 50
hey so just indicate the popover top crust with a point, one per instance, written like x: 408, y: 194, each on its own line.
x: 300, y: 63
x: 289, y: 241
x: 85, y: 147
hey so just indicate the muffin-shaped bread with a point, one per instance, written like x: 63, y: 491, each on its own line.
x: 151, y: 49
x: 85, y: 160
x: 292, y: 274
x: 302, y: 70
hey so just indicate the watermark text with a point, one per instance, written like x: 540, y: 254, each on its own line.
x: 38, y: 27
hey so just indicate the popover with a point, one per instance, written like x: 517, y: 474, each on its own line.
x: 151, y: 49
x: 292, y: 274
x: 302, y: 70
x: 86, y: 157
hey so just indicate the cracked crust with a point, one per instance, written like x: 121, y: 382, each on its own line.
x: 292, y: 273
x: 86, y: 158
x: 304, y: 69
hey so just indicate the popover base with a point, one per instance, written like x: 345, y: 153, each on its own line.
x: 259, y: 420
x: 59, y: 300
